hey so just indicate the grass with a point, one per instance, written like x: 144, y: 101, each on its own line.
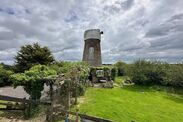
x: 137, y: 103
x: 17, y: 114
x: 2, y: 106
x: 121, y: 79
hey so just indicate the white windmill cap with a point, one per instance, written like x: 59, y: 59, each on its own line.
x: 92, y: 34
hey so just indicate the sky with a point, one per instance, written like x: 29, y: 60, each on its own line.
x: 133, y: 29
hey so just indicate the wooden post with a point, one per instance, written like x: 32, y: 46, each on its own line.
x: 29, y: 109
x: 50, y: 109
x: 51, y: 98
x: 24, y: 106
x: 76, y: 93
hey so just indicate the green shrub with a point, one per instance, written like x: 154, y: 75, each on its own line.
x: 174, y: 75
x: 121, y: 68
x: 80, y: 90
x: 33, y: 80
x: 75, y: 79
x: 155, y: 72
x: 113, y: 73
x: 148, y: 72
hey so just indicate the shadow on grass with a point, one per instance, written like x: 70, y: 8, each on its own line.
x: 174, y: 94
x: 12, y: 114
x: 174, y: 98
x: 19, y: 114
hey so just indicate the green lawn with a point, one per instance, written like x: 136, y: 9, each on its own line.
x: 137, y: 103
x: 121, y: 79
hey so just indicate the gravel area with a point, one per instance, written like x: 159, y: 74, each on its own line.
x: 19, y: 91
x: 14, y: 92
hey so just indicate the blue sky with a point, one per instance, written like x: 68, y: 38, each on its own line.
x: 133, y: 29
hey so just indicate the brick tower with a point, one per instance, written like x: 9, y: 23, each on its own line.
x: 92, y: 49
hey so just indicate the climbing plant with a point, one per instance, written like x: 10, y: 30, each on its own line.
x: 33, y: 80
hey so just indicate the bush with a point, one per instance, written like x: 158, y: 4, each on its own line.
x: 121, y: 68
x: 174, y: 75
x: 76, y: 77
x: 148, y: 72
x: 80, y: 90
x: 113, y: 73
x: 154, y: 72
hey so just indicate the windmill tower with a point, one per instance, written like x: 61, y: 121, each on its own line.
x: 92, y: 49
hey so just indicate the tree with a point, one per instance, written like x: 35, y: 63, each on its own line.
x: 30, y: 55
x: 4, y: 75
x: 33, y: 80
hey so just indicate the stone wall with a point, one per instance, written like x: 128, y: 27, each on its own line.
x: 95, y: 44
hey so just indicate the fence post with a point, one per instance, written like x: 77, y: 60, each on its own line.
x: 69, y: 94
x: 76, y: 95
x: 24, y: 106
x: 29, y: 110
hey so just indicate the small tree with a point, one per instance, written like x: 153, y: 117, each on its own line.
x: 30, y: 55
x: 33, y: 80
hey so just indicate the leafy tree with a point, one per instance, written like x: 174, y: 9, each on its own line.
x: 33, y: 80
x: 30, y: 55
x: 8, y: 67
x: 4, y: 75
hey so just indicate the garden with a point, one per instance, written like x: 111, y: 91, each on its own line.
x: 141, y: 91
x: 134, y: 103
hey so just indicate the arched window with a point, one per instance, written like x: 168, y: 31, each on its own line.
x: 91, y: 53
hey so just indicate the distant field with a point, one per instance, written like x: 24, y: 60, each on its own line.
x: 137, y: 103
